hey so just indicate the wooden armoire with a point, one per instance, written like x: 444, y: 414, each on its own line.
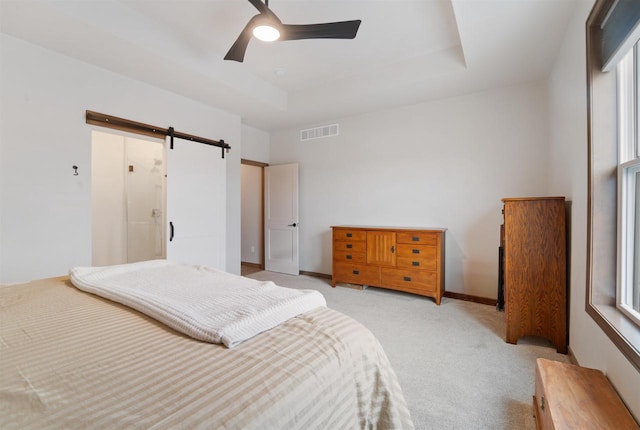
x: 535, y: 269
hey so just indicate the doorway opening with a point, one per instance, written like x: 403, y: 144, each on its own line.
x: 252, y: 214
x: 128, y: 193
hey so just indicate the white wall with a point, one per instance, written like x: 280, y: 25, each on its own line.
x: 255, y: 144
x: 45, y: 218
x: 445, y: 163
x: 568, y: 176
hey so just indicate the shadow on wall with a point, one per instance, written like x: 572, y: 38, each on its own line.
x: 453, y: 265
x: 326, y: 242
x: 483, y: 239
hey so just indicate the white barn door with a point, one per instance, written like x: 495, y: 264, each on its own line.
x: 196, y: 204
x: 281, y: 219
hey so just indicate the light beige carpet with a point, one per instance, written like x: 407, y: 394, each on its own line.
x: 453, y: 364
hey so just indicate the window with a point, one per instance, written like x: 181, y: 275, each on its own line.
x: 628, y: 292
x: 613, y: 235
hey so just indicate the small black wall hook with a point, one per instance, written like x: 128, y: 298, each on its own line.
x: 75, y: 170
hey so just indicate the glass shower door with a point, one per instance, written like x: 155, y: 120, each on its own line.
x: 144, y: 189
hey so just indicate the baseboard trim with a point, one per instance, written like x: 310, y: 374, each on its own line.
x: 470, y: 298
x: 256, y: 265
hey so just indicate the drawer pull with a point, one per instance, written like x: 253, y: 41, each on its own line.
x: 349, y: 257
x: 349, y: 235
x: 415, y: 238
x: 415, y: 263
x: 407, y: 278
x: 356, y: 272
x: 415, y: 251
x: 393, y: 249
x: 349, y: 245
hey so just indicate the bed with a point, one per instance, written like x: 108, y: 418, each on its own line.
x: 71, y: 359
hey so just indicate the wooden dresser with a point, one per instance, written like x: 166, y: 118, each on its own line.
x: 535, y: 269
x: 574, y: 397
x: 404, y: 259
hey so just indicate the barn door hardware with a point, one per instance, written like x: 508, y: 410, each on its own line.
x: 109, y: 121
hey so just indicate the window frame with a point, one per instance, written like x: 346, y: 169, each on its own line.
x: 602, y: 215
x: 628, y: 206
x: 628, y: 183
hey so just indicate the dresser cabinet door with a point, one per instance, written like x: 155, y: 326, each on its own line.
x: 381, y: 248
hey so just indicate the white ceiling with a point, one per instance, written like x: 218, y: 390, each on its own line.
x: 405, y: 52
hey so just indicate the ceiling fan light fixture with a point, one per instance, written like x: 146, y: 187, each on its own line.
x: 266, y: 32
x: 266, y: 26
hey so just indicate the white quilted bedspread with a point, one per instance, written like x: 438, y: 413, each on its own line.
x: 201, y: 302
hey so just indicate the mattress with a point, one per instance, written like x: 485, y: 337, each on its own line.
x: 69, y: 359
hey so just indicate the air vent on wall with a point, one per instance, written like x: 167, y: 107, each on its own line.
x: 319, y: 132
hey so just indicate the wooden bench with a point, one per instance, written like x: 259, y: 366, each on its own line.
x: 574, y: 397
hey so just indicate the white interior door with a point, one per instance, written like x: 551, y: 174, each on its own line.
x: 281, y: 218
x: 196, y: 204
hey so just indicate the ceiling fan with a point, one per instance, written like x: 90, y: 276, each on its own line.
x: 268, y: 27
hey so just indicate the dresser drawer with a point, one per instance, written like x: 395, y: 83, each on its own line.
x: 403, y: 279
x: 417, y: 263
x: 417, y: 237
x: 356, y: 273
x: 349, y: 235
x: 350, y: 246
x: 352, y: 257
x: 421, y: 257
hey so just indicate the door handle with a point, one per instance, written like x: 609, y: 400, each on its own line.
x: 292, y: 225
x: 170, y: 231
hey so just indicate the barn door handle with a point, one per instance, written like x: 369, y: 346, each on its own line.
x: 170, y: 231
x: 293, y: 225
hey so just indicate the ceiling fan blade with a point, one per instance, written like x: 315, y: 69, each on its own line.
x: 239, y: 47
x: 329, y: 30
x: 264, y: 9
